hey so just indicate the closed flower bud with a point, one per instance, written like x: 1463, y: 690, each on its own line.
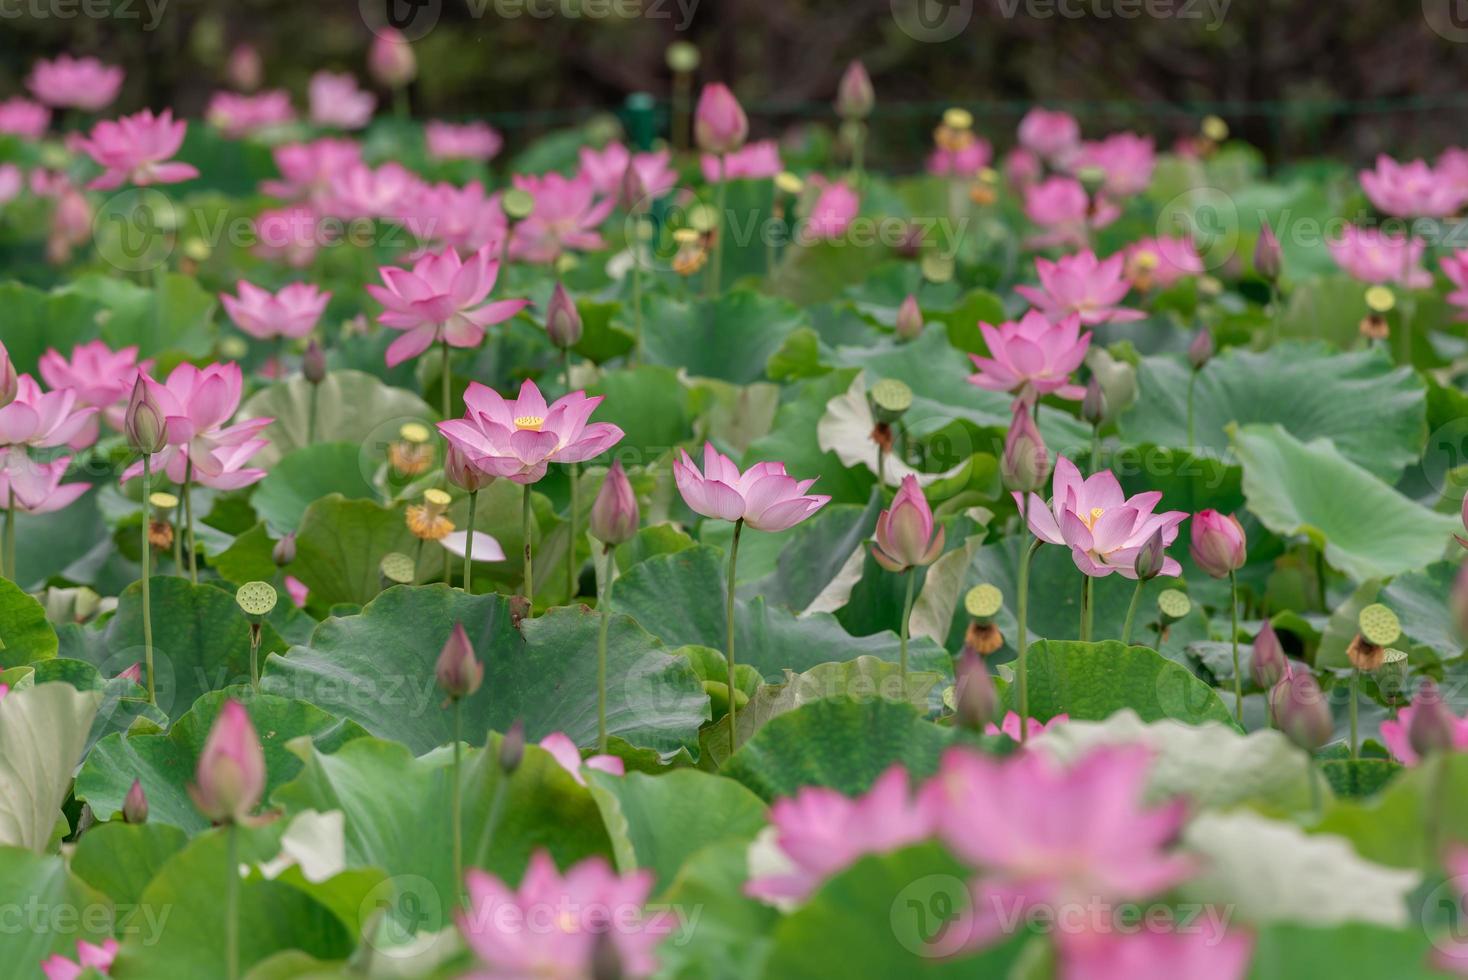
x: 1300, y: 711
x: 144, y: 422
x: 975, y: 700
x: 461, y: 471
x: 909, y: 319
x: 285, y: 550
x: 133, y: 673
x: 512, y: 748
x: 9, y: 380
x: 1268, y: 663
x: 719, y: 123
x: 1093, y: 403
x: 1200, y: 351
x: 135, y: 804
x: 854, y: 96
x: 906, y: 534
x: 391, y: 59
x: 562, y: 320
x: 634, y: 191
x: 1431, y: 727
x: 1026, y: 464
x: 313, y: 365
x: 230, y: 777
x: 1150, y: 558
x: 459, y: 672
x: 614, y: 515
x: 1268, y: 256
x: 1217, y: 544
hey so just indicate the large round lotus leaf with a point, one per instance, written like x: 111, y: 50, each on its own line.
x: 350, y: 407
x: 25, y: 633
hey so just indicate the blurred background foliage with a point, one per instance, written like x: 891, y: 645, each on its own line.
x: 1295, y: 77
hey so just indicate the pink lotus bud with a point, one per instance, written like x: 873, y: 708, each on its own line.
x: 284, y: 551
x: 562, y: 319
x: 1300, y: 710
x: 1268, y: 664
x: 133, y: 673
x: 230, y: 777
x: 1218, y: 543
x: 1432, y: 726
x: 313, y: 365
x: 135, y: 804
x: 462, y: 472
x: 975, y: 700
x: 1268, y: 256
x: 719, y: 123
x: 9, y: 380
x: 459, y: 672
x: 391, y: 60
x: 1026, y: 463
x: 854, y: 96
x: 1151, y: 558
x: 512, y: 748
x: 614, y: 516
x: 1093, y: 403
x: 909, y: 319
x: 634, y: 191
x: 244, y: 68
x: 144, y: 421
x: 1200, y: 351
x: 905, y: 531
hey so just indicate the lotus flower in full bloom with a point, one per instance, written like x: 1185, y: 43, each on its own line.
x: 1376, y: 256
x: 1103, y: 528
x: 605, y: 168
x: 101, y: 378
x: 1032, y: 356
x: 1411, y: 190
x: 336, y: 101
x: 42, y: 420
x: 470, y: 141
x: 906, y: 532
x: 1050, y: 134
x: 89, y: 956
x: 518, y: 440
x: 818, y: 832
x: 360, y: 191
x: 759, y: 160
x: 566, y: 216
x: 1125, y: 159
x: 1081, y: 284
x: 194, y: 404
x: 230, y: 776
x: 965, y: 159
x: 75, y: 83
x: 138, y: 149
x: 763, y: 496
x: 1062, y: 207
x: 835, y: 207
x: 1160, y: 262
x: 24, y: 118
x: 291, y: 235
x: 292, y: 312
x: 462, y: 218
x: 35, y: 487
x: 568, y: 756
x: 441, y: 299
x: 238, y: 115
x: 553, y: 924
x: 307, y: 169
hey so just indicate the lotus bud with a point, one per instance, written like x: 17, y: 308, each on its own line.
x: 1093, y: 403
x: 1300, y: 711
x: 634, y: 191
x: 1432, y: 726
x: 244, y: 68
x: 1268, y: 256
x: 1026, y: 464
x: 144, y: 422
x: 284, y: 551
x: 391, y: 60
x: 135, y: 804
x: 459, y: 672
x: 9, y: 380
x: 975, y: 701
x: 719, y: 123
x: 313, y: 364
x: 562, y: 320
x: 1151, y: 557
x: 1458, y: 601
x: 133, y: 674
x: 614, y: 515
x: 909, y: 319
x: 854, y: 96
x: 906, y: 535
x: 1217, y: 545
x: 1268, y: 664
x: 1200, y: 351
x: 230, y: 777
x: 512, y: 748
x: 461, y: 471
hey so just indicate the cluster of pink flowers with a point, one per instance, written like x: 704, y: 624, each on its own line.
x: 195, y: 405
x: 75, y: 83
x: 605, y: 169
x: 759, y: 160
x: 293, y: 312
x: 1375, y: 255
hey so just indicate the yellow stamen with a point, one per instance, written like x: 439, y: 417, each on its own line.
x: 1093, y: 517
x: 530, y: 422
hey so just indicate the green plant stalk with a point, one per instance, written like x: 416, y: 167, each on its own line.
x: 1233, y: 608
x: 1131, y: 612
x: 1433, y: 816
x: 178, y: 562
x: 637, y: 293
x: 255, y: 657
x: 147, y: 585
x: 603, y: 607
x: 906, y: 616
x: 417, y: 562
x: 447, y: 377
x: 1023, y: 603
x: 188, y: 502
x: 1086, y: 596
x: 881, y: 466
x: 1355, y: 696
x: 1313, y: 778
x: 716, y: 261
x: 1192, y: 383
x: 571, y: 581
x: 311, y: 415
x: 456, y: 815
x: 529, y: 565
x: 10, y: 532
x: 496, y: 809
x: 469, y: 546
x: 232, y: 903
x: 858, y: 152
x: 729, y: 618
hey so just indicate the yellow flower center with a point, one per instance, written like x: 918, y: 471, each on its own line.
x: 1091, y: 519
x: 531, y: 422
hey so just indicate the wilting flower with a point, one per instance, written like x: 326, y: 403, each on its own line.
x: 1050, y: 134
x: 1103, y: 528
x: 566, y: 216
x: 1411, y: 190
x: 441, y: 299
x: 24, y: 118
x: 390, y: 59
x: 719, y: 123
x: 101, y: 378
x: 336, y: 101
x: 1160, y: 262
x: 307, y: 169
x: 1032, y: 356
x: 605, y: 168
x: 553, y: 925
x: 1376, y: 256
x: 1084, y: 285
x: 470, y: 141
x: 462, y: 218
x: 195, y: 403
x: 1126, y: 159
x: 75, y: 83
x: 835, y: 206
x: 292, y: 312
x: 35, y: 487
x: 89, y: 956
x: 138, y: 149
x: 230, y: 777
x: 818, y: 832
x: 763, y: 496
x: 1436, y: 727
x: 568, y: 756
x: 238, y: 115
x: 759, y: 160
x: 1062, y: 206
x: 1217, y: 545
x: 614, y: 515
x: 429, y: 520
x: 1010, y: 725
x: 42, y: 420
x: 906, y: 535
x: 517, y: 440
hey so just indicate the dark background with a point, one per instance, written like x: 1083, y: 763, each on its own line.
x: 1296, y: 77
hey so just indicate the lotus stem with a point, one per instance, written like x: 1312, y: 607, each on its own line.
x: 529, y: 565
x: 729, y: 617
x: 255, y: 657
x: 1192, y: 383
x: 1233, y: 607
x: 1437, y: 778
x: 1095, y: 449
x: 1355, y: 696
x: 1086, y: 596
x: 1313, y: 778
x: 188, y: 502
x: 881, y: 466
x: 902, y: 636
x: 603, y: 606
x: 637, y: 293
x: 469, y: 546
x: 716, y: 261
x: 456, y: 817
x: 447, y: 377
x: 232, y: 903
x: 858, y: 154
x: 10, y: 531
x: 147, y: 585
x: 311, y: 414
x: 1023, y: 601
x: 1131, y: 612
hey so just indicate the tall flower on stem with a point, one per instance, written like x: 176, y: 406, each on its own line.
x: 764, y: 496
x: 1032, y: 356
x: 459, y: 470
x: 145, y: 425
x: 1218, y: 548
x: 101, y: 378
x: 614, y: 519
x: 563, y: 326
x: 720, y: 127
x: 459, y: 674
x: 1024, y: 468
x: 907, y: 540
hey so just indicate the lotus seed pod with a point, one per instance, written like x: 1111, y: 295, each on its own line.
x: 890, y: 398
x: 1379, y: 624
x: 1174, y: 604
x: 396, y: 568
x: 256, y: 600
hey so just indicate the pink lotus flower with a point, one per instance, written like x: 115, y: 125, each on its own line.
x: 835, y: 206
x: 195, y: 403
x: 964, y: 161
x: 1450, y: 952
x: 1455, y: 267
x: 244, y: 68
x: 1102, y: 527
x: 1126, y: 159
x: 517, y: 440
x: 763, y: 496
x: 1062, y: 206
x: 1217, y: 544
x: 1052, y: 135
x: 24, y: 118
x: 1010, y: 726
x: 1161, y: 262
x: 1045, y: 836
x: 819, y: 832
x: 36, y: 486
x: 1394, y: 731
x: 9, y: 380
x: 293, y: 312
x: 462, y: 218
x: 230, y: 776
x: 441, y: 299
x: 905, y: 531
x: 1376, y: 256
x: 297, y: 590
x: 12, y: 182
x: 1411, y: 190
x: 566, y: 216
x: 101, y: 378
x: 470, y: 141
x: 604, y: 170
x: 291, y: 235
x: 360, y: 191
x: 337, y: 102
x: 759, y: 160
x: 565, y: 752
x: 390, y: 59
x: 137, y: 149
x: 71, y: 224
x: 552, y: 925
x: 89, y: 956
x: 1452, y: 166
x: 1198, y: 952
x: 1022, y: 168
x: 1082, y: 284
x: 1032, y: 356
x: 42, y: 420
x: 307, y: 169
x: 75, y: 83
x: 238, y: 115
x: 719, y: 123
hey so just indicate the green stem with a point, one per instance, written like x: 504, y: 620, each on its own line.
x: 1233, y: 608
x: 729, y: 618
x: 232, y: 903
x: 1095, y: 449
x: 469, y: 546
x: 1313, y: 778
x: 571, y: 565
x: 1086, y: 609
x: 456, y: 816
x: 1192, y: 383
x: 447, y: 378
x: 255, y: 657
x: 1432, y: 828
x: 1131, y: 612
x: 147, y: 585
x: 881, y: 466
x: 311, y: 417
x: 716, y: 261
x: 858, y: 148
x: 529, y: 565
x: 178, y: 562
x: 1023, y: 609
x: 637, y: 293
x: 188, y: 501
x: 902, y: 641
x: 1320, y: 578
x: 10, y: 531
x: 603, y: 606
x: 418, y: 562
x: 1355, y: 696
